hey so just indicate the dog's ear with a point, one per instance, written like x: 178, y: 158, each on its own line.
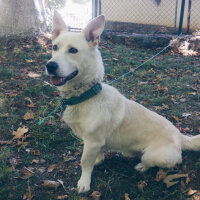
x: 58, y: 25
x: 94, y: 29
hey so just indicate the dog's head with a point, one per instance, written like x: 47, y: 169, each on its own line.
x: 73, y: 53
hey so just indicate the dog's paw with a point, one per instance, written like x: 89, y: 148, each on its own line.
x: 83, y: 186
x: 140, y: 167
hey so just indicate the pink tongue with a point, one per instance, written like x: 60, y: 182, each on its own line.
x: 56, y: 80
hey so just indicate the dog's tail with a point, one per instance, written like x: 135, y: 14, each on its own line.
x: 191, y: 142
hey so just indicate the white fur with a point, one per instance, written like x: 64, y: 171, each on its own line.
x: 109, y: 120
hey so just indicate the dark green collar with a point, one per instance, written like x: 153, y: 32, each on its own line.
x: 83, y: 97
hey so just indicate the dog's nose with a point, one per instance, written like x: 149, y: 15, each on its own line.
x: 52, y: 67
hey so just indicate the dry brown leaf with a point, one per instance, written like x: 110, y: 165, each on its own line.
x: 20, y: 132
x: 191, y: 192
x: 126, y: 196
x: 142, y: 83
x: 51, y: 168
x: 26, y: 173
x: 5, y: 142
x: 183, y: 186
x: 42, y: 161
x: 5, y: 115
x: 41, y: 169
x: 61, y: 182
x: 32, y: 105
x: 28, y: 195
x: 33, y: 75
x: 161, y: 174
x: 85, y: 198
x: 187, y: 180
x: 50, y: 184
x: 29, y: 115
x: 142, y: 185
x: 24, y: 86
x: 176, y: 118
x: 182, y: 100
x: 36, y: 152
x: 133, y: 98
x: 62, y: 197
x: 96, y: 195
x: 14, y: 162
x: 169, y: 179
x: 34, y: 161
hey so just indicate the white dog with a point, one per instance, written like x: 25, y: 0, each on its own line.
x: 99, y: 114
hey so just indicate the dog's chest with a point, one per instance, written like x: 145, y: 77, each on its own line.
x: 72, y: 116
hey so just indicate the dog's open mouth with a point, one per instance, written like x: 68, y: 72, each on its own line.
x: 58, y: 81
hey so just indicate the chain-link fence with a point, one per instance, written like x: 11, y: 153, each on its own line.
x: 139, y: 16
x: 148, y: 16
x: 194, y: 16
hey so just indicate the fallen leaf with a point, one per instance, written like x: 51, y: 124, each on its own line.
x: 34, y: 161
x: 32, y: 105
x: 186, y: 114
x: 176, y: 118
x: 28, y: 195
x: 187, y: 130
x: 41, y: 169
x: 61, y: 182
x: 69, y: 158
x: 142, y: 83
x: 29, y: 115
x: 5, y: 115
x: 26, y: 173
x: 33, y: 75
x: 42, y: 160
x: 183, y: 186
x: 187, y: 180
x: 50, y: 184
x: 191, y: 192
x: 96, y: 195
x: 182, y: 100
x: 169, y: 179
x: 161, y: 174
x: 13, y: 162
x: 24, y: 86
x: 36, y: 152
x: 62, y: 197
x: 5, y: 142
x: 133, y: 98
x: 142, y: 185
x: 20, y: 132
x: 51, y: 168
x: 126, y: 196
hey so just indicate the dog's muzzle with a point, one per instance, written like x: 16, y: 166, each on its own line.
x: 52, y: 68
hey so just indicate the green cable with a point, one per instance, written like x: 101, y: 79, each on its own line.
x: 51, y: 113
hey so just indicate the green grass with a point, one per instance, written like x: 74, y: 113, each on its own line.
x: 166, y: 80
x: 6, y: 73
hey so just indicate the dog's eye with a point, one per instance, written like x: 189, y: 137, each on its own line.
x: 73, y: 50
x: 55, y: 47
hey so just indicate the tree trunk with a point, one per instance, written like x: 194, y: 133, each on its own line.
x: 26, y: 17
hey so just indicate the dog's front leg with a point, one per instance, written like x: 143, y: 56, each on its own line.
x: 90, y: 152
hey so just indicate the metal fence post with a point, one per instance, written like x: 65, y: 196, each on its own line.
x: 99, y: 7
x: 95, y: 8
x: 189, y: 15
x: 175, y: 18
x: 181, y: 17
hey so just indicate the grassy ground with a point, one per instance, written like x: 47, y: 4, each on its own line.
x: 168, y: 85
